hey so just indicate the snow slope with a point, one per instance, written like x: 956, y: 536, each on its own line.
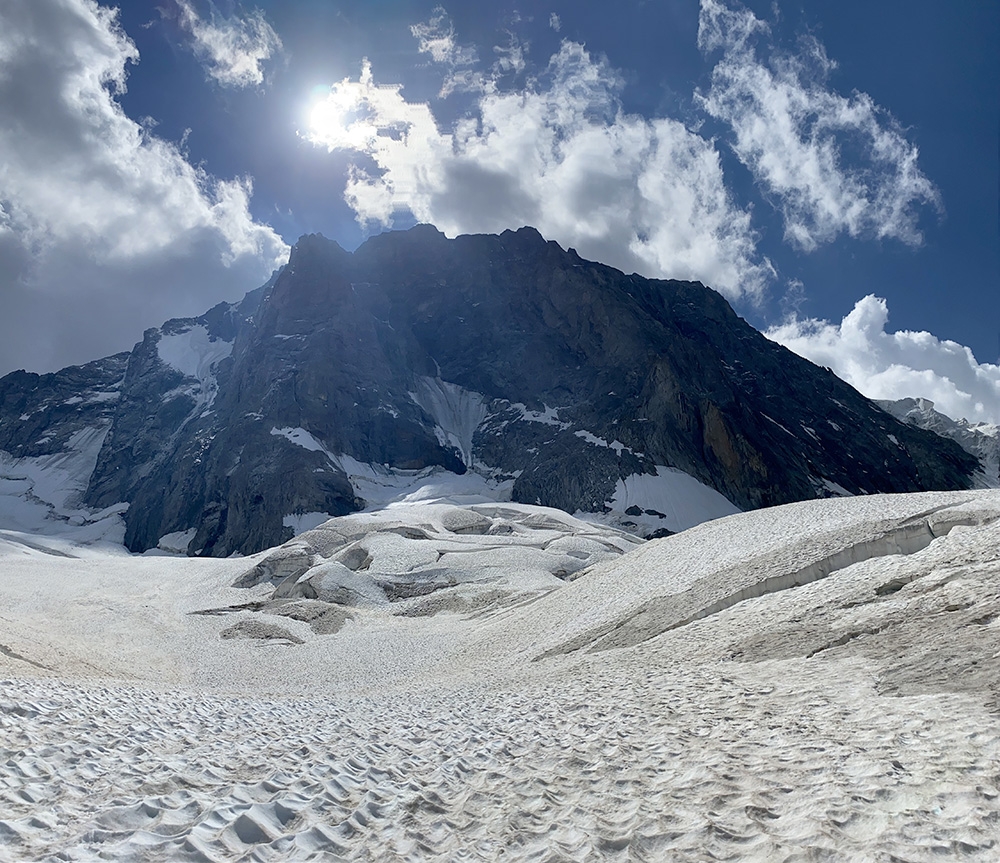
x: 456, y: 411
x: 195, y: 353
x: 40, y: 495
x: 670, y: 499
x: 152, y: 711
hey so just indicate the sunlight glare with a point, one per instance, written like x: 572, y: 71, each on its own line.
x: 338, y: 118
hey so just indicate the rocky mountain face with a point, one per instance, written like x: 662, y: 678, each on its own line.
x: 52, y: 428
x: 979, y: 439
x: 41, y: 414
x: 555, y: 380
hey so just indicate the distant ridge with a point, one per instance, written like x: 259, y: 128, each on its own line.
x: 979, y: 439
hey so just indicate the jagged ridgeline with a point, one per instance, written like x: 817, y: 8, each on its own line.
x: 556, y: 380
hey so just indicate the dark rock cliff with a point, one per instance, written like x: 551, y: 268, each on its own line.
x: 39, y: 414
x: 504, y: 354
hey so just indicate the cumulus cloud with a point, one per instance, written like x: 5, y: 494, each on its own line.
x: 98, y: 217
x: 903, y: 364
x: 559, y: 154
x: 232, y: 49
x: 832, y: 164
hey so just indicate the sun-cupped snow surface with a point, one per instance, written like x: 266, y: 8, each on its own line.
x: 853, y: 717
x: 670, y: 499
x: 456, y: 411
x: 669, y: 581
x: 194, y: 353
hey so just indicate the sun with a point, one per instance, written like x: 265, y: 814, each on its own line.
x: 326, y: 120
x: 338, y: 119
x: 325, y: 117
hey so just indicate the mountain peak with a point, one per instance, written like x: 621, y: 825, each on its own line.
x: 555, y: 381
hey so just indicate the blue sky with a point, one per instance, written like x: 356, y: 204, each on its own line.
x: 832, y: 169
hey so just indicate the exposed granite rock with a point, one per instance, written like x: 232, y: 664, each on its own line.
x: 40, y: 413
x: 504, y: 354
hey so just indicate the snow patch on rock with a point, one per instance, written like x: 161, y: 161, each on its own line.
x: 642, y: 503
x: 177, y: 542
x: 832, y: 489
x: 381, y: 485
x: 670, y: 499
x: 300, y: 437
x: 194, y: 353
x: 615, y: 445
x: 456, y: 411
x: 42, y: 494
x: 549, y: 417
x: 301, y: 522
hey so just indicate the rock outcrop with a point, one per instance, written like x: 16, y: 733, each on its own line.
x: 565, y: 382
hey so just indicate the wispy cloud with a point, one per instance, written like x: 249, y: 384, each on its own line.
x: 98, y: 216
x: 903, y: 364
x: 555, y: 22
x: 437, y: 38
x: 511, y: 58
x: 794, y: 133
x: 232, y: 49
x: 557, y: 153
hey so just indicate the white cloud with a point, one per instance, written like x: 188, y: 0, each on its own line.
x: 832, y: 164
x: 897, y: 365
x: 555, y: 22
x: 101, y: 219
x: 510, y: 57
x: 559, y: 154
x: 437, y: 38
x: 232, y: 49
